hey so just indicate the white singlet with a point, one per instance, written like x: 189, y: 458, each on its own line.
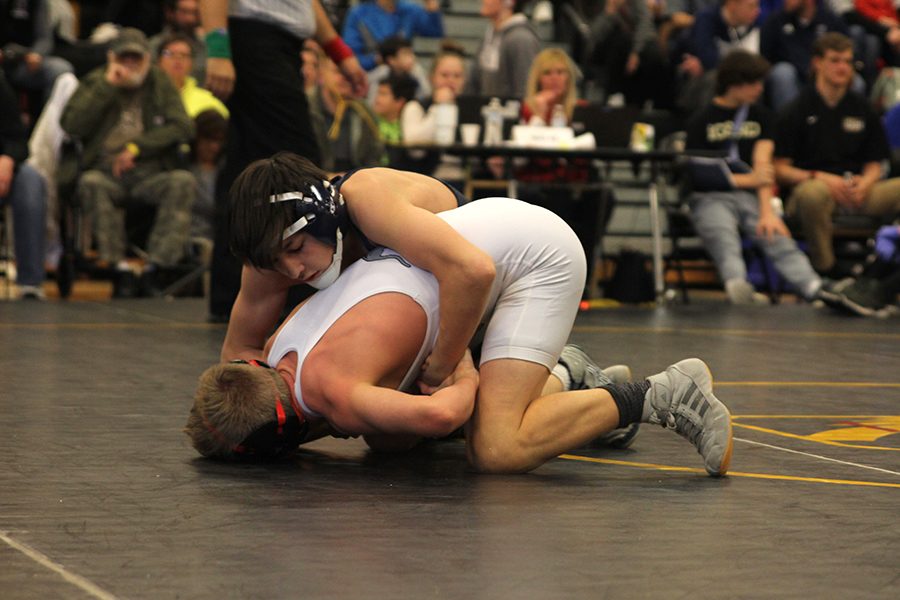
x: 540, y: 277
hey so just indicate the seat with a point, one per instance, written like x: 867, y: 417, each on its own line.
x: 76, y: 239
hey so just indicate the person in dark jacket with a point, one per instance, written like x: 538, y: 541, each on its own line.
x: 133, y: 127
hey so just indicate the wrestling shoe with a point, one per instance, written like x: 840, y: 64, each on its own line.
x: 681, y: 399
x: 585, y: 374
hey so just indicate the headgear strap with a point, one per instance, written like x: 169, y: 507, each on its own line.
x: 319, y: 200
x: 288, y: 433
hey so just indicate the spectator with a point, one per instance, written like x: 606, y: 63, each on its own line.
x: 24, y: 189
x: 132, y: 123
x: 828, y: 151
x: 391, y: 97
x: 716, y: 31
x: 674, y: 18
x: 448, y: 79
x: 625, y: 54
x: 550, y: 91
x: 505, y: 55
x: 26, y: 42
x: 310, y: 67
x: 206, y: 162
x: 368, y: 23
x: 146, y: 15
x: 786, y: 41
x: 175, y: 58
x: 183, y: 17
x: 397, y: 57
x: 880, y: 19
x: 345, y: 127
x: 735, y: 124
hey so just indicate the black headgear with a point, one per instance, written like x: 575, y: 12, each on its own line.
x: 319, y: 210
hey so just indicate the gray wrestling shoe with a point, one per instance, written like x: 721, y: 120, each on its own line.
x: 681, y: 399
x: 583, y: 371
x: 586, y: 374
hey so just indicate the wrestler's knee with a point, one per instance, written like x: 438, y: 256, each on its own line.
x: 495, y: 456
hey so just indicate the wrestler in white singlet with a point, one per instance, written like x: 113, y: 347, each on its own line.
x: 540, y: 270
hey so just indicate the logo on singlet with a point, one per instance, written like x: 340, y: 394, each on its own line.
x: 385, y: 254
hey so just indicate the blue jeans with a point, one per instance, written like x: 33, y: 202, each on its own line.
x: 28, y: 198
x: 721, y: 217
x: 42, y: 79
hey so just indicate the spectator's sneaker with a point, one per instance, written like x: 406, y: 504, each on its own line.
x: 681, y: 399
x: 830, y: 291
x: 865, y: 297
x: 585, y: 374
x: 125, y: 284
x: 148, y: 286
x: 31, y: 292
x: 740, y: 291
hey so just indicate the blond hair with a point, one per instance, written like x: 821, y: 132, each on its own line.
x: 543, y: 61
x: 232, y: 400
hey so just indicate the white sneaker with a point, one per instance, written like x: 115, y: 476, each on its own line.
x: 741, y: 292
x: 31, y: 292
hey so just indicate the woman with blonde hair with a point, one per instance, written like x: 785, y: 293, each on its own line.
x: 551, y: 82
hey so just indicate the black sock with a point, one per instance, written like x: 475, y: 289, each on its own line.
x: 629, y: 399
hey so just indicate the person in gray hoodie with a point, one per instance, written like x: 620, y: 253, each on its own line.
x: 509, y: 46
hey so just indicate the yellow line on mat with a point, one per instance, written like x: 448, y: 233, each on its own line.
x: 625, y: 463
x: 810, y: 416
x: 805, y: 438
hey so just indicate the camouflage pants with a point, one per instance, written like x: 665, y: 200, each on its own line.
x: 103, y: 199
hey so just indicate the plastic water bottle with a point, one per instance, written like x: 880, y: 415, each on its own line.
x: 493, y: 123
x: 445, y: 118
x: 558, y: 117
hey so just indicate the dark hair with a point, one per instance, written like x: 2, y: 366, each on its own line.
x: 831, y: 41
x: 740, y: 67
x: 390, y: 46
x: 171, y: 39
x: 402, y: 85
x: 256, y: 223
x: 210, y: 124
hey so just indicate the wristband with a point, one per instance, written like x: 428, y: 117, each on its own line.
x: 218, y: 44
x: 337, y: 50
x: 133, y: 148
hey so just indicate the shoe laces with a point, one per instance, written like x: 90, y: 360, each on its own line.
x: 679, y: 422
